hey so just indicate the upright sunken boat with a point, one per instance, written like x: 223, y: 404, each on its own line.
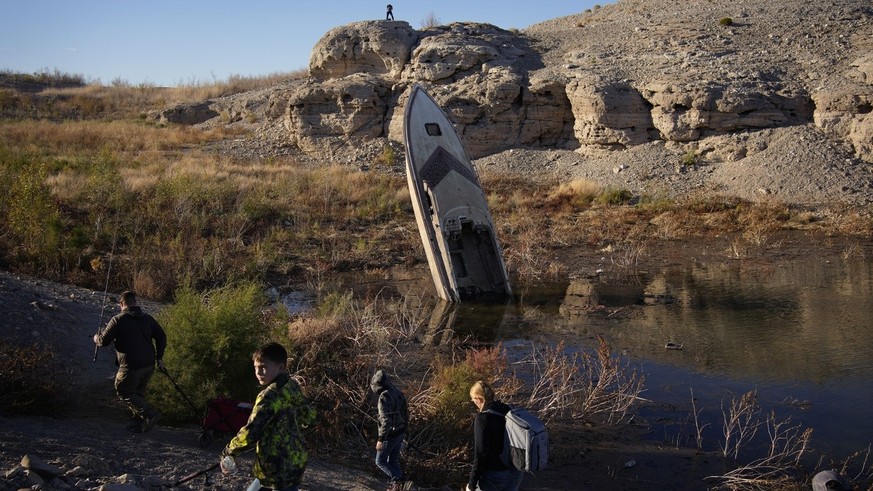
x: 451, y: 210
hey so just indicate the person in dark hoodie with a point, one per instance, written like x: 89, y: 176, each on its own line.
x: 489, y: 473
x: 139, y: 343
x: 393, y: 421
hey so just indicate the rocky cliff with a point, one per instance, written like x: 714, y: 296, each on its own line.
x: 714, y: 81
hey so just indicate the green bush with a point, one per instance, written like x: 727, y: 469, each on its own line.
x: 210, y: 339
x: 657, y: 203
x: 30, y: 220
x: 388, y: 157
x: 725, y: 21
x: 452, y: 403
x: 614, y: 196
x: 690, y: 159
x: 452, y: 406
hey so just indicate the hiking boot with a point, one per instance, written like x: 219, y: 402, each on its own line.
x: 149, y: 422
x: 134, y: 424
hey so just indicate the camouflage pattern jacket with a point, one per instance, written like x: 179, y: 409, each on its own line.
x: 273, y: 428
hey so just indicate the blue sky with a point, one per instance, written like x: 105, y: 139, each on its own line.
x: 171, y: 42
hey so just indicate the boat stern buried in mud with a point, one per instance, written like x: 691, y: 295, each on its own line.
x: 451, y: 209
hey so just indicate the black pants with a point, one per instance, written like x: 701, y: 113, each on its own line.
x: 130, y: 385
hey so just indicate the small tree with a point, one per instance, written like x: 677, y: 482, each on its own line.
x: 429, y: 22
x: 210, y: 339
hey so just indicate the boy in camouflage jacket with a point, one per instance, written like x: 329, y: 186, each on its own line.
x: 273, y: 428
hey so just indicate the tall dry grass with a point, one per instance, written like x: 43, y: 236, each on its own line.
x: 72, y: 140
x: 208, y: 217
x: 182, y: 213
x: 62, y: 97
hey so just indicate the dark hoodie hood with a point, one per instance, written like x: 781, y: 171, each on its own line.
x: 380, y: 381
x: 134, y: 310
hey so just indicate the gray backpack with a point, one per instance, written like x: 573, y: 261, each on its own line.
x: 526, y: 441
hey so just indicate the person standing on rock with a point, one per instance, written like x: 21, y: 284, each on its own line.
x: 139, y: 343
x: 390, y: 13
x: 274, y: 427
x: 393, y: 421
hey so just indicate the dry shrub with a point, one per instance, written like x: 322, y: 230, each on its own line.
x: 573, y: 195
x: 516, y: 203
x: 309, y: 332
x: 337, y: 349
x: 30, y: 380
x: 153, y: 283
x: 335, y: 352
x: 710, y: 203
x: 336, y: 377
x: 627, y: 255
x: 429, y: 22
x: 741, y: 423
x: 853, y: 250
x: 527, y: 255
x: 581, y: 385
x: 855, y: 223
x: 672, y: 225
x: 781, y: 466
x: 767, y: 216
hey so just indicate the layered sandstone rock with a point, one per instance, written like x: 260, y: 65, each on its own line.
x: 626, y: 74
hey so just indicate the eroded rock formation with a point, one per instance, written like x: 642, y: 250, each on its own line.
x: 612, y: 78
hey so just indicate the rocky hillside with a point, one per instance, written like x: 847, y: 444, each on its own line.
x: 750, y: 97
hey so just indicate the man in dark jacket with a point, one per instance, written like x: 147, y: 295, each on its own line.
x: 393, y: 420
x: 139, y: 342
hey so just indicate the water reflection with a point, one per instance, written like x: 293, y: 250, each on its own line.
x: 795, y: 322
x: 795, y: 332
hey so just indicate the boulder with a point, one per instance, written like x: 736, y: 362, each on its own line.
x: 320, y: 116
x: 35, y: 464
x: 687, y: 111
x: 609, y: 113
x: 187, y: 114
x: 845, y: 115
x: 373, y: 47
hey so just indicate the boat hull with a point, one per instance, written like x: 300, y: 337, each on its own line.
x: 451, y: 209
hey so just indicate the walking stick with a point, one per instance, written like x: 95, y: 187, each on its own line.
x: 195, y: 475
x: 106, y: 289
x: 179, y: 389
